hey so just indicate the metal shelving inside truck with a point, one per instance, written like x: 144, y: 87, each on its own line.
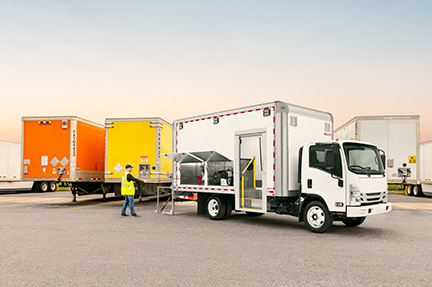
x: 277, y: 157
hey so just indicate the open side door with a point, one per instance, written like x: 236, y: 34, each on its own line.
x: 250, y: 171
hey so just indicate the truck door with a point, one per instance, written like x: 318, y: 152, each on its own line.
x: 327, y: 183
x: 250, y: 179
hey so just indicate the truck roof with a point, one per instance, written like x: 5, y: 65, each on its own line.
x: 108, y: 120
x: 59, y: 118
x: 268, y: 105
x: 388, y: 117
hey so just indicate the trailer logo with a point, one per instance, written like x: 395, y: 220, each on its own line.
x: 73, y: 143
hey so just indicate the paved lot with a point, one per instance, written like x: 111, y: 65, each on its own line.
x: 48, y: 241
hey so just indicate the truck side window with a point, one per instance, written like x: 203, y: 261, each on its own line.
x: 316, y: 158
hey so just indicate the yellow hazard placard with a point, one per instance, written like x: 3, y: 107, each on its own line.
x: 412, y: 159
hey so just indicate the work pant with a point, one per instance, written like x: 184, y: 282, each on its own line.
x: 129, y: 199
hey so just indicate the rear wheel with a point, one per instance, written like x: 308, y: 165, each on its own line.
x: 52, y: 186
x: 409, y: 191
x: 43, y: 186
x: 317, y: 217
x: 229, y: 207
x: 417, y: 192
x: 216, y: 207
x: 353, y: 221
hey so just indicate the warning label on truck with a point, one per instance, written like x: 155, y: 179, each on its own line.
x: 412, y: 159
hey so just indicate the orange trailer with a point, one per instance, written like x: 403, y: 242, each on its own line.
x: 68, y: 149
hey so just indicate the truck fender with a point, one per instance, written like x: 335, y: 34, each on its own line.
x: 306, y: 199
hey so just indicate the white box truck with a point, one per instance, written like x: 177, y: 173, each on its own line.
x: 277, y: 157
x: 10, y: 168
x: 398, y: 136
x: 425, y: 183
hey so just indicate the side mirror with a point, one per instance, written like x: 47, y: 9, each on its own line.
x: 383, y: 158
x: 329, y: 159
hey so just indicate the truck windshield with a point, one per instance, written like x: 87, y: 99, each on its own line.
x: 363, y: 159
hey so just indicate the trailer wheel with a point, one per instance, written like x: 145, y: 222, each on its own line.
x: 43, y: 186
x: 317, y: 217
x: 353, y: 221
x: 216, y: 207
x: 409, y: 191
x: 52, y: 186
x: 417, y: 192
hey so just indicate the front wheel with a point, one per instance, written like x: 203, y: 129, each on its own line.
x: 216, y: 207
x: 317, y: 217
x: 353, y: 221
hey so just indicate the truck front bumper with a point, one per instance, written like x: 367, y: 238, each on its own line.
x: 361, y: 211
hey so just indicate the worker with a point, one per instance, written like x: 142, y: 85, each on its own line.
x: 128, y: 190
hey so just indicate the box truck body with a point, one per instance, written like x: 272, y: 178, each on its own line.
x: 10, y: 168
x: 270, y: 158
x: 398, y: 136
x: 70, y: 149
x: 139, y: 142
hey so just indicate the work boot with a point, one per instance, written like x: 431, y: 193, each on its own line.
x: 135, y: 215
x: 124, y: 214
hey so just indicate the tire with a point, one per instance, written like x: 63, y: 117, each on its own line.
x: 216, y: 207
x: 43, y: 186
x: 417, y: 192
x: 316, y: 217
x: 229, y: 207
x: 353, y: 221
x: 52, y: 186
x: 249, y: 213
x: 409, y: 190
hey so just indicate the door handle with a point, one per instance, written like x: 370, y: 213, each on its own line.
x: 309, y: 183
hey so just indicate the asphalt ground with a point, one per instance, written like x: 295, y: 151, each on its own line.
x: 46, y: 240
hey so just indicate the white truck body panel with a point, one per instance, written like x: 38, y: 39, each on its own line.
x: 398, y: 136
x: 284, y: 131
x: 426, y: 167
x: 10, y: 167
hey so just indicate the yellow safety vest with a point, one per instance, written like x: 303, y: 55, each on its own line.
x: 127, y: 187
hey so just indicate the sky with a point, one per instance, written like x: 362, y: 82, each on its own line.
x: 181, y: 58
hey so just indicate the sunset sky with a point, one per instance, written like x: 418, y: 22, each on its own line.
x: 174, y: 59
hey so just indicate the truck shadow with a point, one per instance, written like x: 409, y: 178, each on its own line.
x: 285, y: 223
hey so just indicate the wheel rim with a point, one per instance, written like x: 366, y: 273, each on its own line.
x: 213, y: 207
x: 52, y: 186
x: 44, y: 186
x: 316, y: 217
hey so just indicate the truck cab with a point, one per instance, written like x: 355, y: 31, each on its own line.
x: 341, y: 180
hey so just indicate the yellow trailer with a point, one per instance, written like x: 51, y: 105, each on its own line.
x: 139, y: 142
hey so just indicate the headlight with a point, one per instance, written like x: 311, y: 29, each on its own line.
x: 355, y: 194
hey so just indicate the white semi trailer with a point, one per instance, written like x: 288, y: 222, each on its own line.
x: 277, y: 157
x: 10, y: 168
x: 398, y: 136
x: 424, y: 187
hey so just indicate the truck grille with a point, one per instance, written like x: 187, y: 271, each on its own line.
x: 372, y: 197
